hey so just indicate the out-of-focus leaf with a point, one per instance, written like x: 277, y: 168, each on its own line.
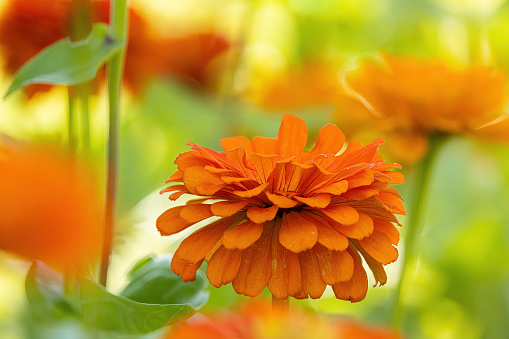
x: 121, y: 315
x: 153, y: 281
x: 45, y: 293
x: 66, y: 62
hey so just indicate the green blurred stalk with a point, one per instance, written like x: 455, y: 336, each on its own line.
x: 118, y: 27
x: 71, y: 121
x: 417, y: 194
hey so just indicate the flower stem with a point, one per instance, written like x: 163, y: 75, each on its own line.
x: 281, y: 305
x: 419, y: 177
x: 71, y: 121
x: 83, y: 95
x: 118, y: 27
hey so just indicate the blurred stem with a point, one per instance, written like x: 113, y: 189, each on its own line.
x: 84, y: 96
x: 118, y: 29
x: 71, y: 121
x: 418, y: 190
x: 281, y: 305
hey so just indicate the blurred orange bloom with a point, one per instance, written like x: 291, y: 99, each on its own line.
x: 50, y: 209
x: 258, y: 320
x: 411, y: 100
x: 28, y: 26
x: 292, y: 220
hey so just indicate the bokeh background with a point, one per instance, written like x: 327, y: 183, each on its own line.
x: 276, y: 57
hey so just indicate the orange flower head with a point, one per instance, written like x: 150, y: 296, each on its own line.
x: 413, y: 99
x: 50, y: 210
x: 258, y: 320
x: 293, y: 220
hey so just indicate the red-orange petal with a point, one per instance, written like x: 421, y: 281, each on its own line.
x: 264, y: 164
x: 242, y: 236
x: 227, y: 208
x: 318, y: 201
x: 335, y: 266
x: 330, y: 140
x: 388, y: 229
x: 281, y: 201
x: 327, y: 235
x: 197, y: 176
x: 184, y: 269
x: 285, y: 279
x: 195, y: 213
x: 260, y: 215
x: 362, y: 178
x: 361, y: 229
x: 336, y: 188
x: 231, y: 143
x: 170, y: 221
x: 356, y: 288
x: 223, y: 266
x: 252, y: 192
x: 292, y: 136
x: 297, y: 233
x: 379, y: 246
x: 312, y: 281
x: 343, y: 214
x: 265, y: 146
x: 196, y: 246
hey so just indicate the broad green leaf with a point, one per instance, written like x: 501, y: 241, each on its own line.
x: 121, y: 315
x: 66, y: 62
x: 45, y: 293
x: 153, y: 281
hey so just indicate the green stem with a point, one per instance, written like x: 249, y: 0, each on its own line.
x: 83, y: 94
x: 419, y: 177
x: 118, y: 26
x: 281, y: 305
x: 71, y: 121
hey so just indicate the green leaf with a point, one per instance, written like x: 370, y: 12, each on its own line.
x: 153, y: 281
x: 45, y: 293
x: 66, y: 62
x: 119, y: 314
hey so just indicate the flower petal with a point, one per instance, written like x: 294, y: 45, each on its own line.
x: 223, y: 266
x: 343, y: 214
x: 184, y: 269
x: 334, y: 266
x: 229, y: 144
x: 242, y: 236
x: 356, y: 288
x: 260, y: 215
x: 312, y: 281
x: 196, y: 246
x: 292, y: 136
x: 318, y: 201
x: 266, y: 146
x: 252, y: 192
x: 336, y: 188
x: 264, y: 164
x: 379, y: 246
x: 362, y: 178
x: 281, y: 201
x: 227, y: 208
x: 361, y: 229
x: 330, y: 140
x: 170, y: 221
x: 195, y: 213
x: 388, y: 229
x: 297, y: 233
x: 327, y: 235
x: 197, y: 176
x: 285, y: 279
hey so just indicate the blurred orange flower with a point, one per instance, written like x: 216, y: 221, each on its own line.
x: 50, y: 209
x: 28, y: 26
x: 292, y: 220
x: 258, y: 320
x: 412, y: 99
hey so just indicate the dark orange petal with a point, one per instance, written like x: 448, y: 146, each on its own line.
x: 177, y: 176
x: 242, y: 236
x: 362, y: 178
x: 252, y: 192
x: 330, y: 140
x: 392, y: 202
x: 361, y: 229
x: 297, y: 233
x: 223, y: 266
x: 318, y: 201
x: 184, y: 269
x: 264, y: 145
x: 227, y: 208
x: 196, y: 177
x: 312, y: 281
x: 355, y: 154
x: 170, y: 221
x: 343, y: 214
x: 229, y: 144
x: 361, y: 193
x: 335, y: 266
x: 285, y: 279
x: 255, y: 266
x: 292, y: 136
x: 327, y: 235
x: 356, y: 288
x: 194, y: 213
x: 388, y: 229
x: 281, y: 201
x: 196, y: 246
x: 176, y: 195
x: 396, y: 177
x: 260, y: 215
x: 238, y: 159
x: 264, y: 164
x: 379, y: 246
x: 372, y: 207
x: 336, y: 188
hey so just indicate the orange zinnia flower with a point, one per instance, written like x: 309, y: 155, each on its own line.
x: 50, y: 209
x: 292, y: 220
x: 258, y: 320
x: 412, y: 99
